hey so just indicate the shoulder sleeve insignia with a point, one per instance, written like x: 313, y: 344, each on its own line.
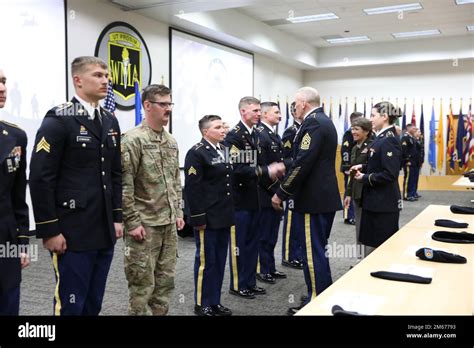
x: 390, y: 134
x: 43, y: 145
x: 260, y: 129
x: 234, y: 150
x: 346, y: 143
x: 192, y: 171
x: 287, y: 144
x: 389, y: 154
x: 306, y: 142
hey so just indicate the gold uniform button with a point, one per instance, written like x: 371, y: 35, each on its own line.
x: 103, y: 173
x: 84, y: 145
x: 228, y: 184
x: 240, y: 184
x: 102, y: 159
x: 228, y: 193
x: 65, y: 204
x: 105, y: 187
x: 102, y: 145
x: 227, y: 175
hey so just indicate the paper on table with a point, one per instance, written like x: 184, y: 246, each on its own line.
x: 426, y: 272
x: 412, y: 249
x: 355, y: 302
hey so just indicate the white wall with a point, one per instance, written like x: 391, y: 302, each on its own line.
x: 415, y: 81
x: 90, y: 18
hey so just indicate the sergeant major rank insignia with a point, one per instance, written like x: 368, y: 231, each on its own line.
x: 306, y: 142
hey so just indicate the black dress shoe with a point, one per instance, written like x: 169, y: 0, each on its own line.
x: 292, y: 263
x: 349, y: 221
x: 278, y: 275
x: 242, y: 293
x: 293, y: 310
x: 222, y: 311
x: 266, y: 278
x: 204, y: 311
x: 417, y: 195
x: 257, y: 290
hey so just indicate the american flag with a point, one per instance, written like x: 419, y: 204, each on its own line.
x: 109, y: 103
x: 469, y: 150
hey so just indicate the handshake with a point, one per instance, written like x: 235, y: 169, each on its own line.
x: 276, y: 170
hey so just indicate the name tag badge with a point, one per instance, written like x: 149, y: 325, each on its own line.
x: 82, y: 139
x: 114, y: 140
x: 149, y: 147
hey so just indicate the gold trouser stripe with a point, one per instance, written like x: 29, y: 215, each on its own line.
x: 46, y: 222
x: 258, y: 263
x: 57, y: 307
x: 233, y: 258
x: 405, y: 188
x: 202, y: 264
x: 309, y: 253
x: 288, y: 231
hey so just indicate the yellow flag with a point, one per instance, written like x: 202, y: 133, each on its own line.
x: 440, y: 138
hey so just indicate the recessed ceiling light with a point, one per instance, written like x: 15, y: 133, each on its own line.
x: 312, y: 18
x: 470, y: 28
x: 348, y: 39
x: 416, y: 33
x: 464, y: 2
x: 397, y: 8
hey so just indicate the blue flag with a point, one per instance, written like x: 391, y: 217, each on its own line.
x: 404, y: 118
x: 432, y: 150
x: 138, y: 104
x: 461, y: 133
x: 287, y: 120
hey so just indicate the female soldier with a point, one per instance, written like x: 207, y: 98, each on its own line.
x: 361, y: 130
x: 209, y: 199
x: 381, y: 200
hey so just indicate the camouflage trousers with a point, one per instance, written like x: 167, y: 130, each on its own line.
x: 150, y: 269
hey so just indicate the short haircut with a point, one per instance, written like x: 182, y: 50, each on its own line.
x: 205, y: 122
x: 151, y: 91
x: 409, y: 126
x: 293, y: 107
x: 248, y: 101
x: 267, y: 105
x: 356, y: 114
x: 388, y: 108
x: 79, y: 63
x: 310, y: 95
x: 363, y: 123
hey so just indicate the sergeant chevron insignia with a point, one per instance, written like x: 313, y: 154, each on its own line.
x: 288, y: 144
x: 306, y: 142
x: 192, y: 171
x: 43, y: 145
x: 346, y: 143
x: 234, y: 150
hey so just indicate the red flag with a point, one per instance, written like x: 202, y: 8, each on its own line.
x: 413, y: 116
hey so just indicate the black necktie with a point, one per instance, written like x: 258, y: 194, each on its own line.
x: 97, y: 120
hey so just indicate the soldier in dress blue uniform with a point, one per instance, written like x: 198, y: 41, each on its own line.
x: 311, y: 181
x: 409, y: 156
x: 420, y: 158
x: 291, y: 250
x: 381, y: 200
x: 76, y: 190
x: 269, y: 219
x: 209, y: 199
x: 242, y: 145
x: 14, y: 222
x: 346, y: 149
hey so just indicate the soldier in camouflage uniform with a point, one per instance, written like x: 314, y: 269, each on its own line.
x: 151, y: 206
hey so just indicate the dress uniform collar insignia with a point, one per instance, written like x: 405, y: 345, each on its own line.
x: 389, y: 154
x: 306, y: 142
x: 82, y: 130
x: 404, y: 143
x: 5, y: 132
x: 192, y: 171
x: 43, y: 145
x: 288, y: 144
x: 346, y: 143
